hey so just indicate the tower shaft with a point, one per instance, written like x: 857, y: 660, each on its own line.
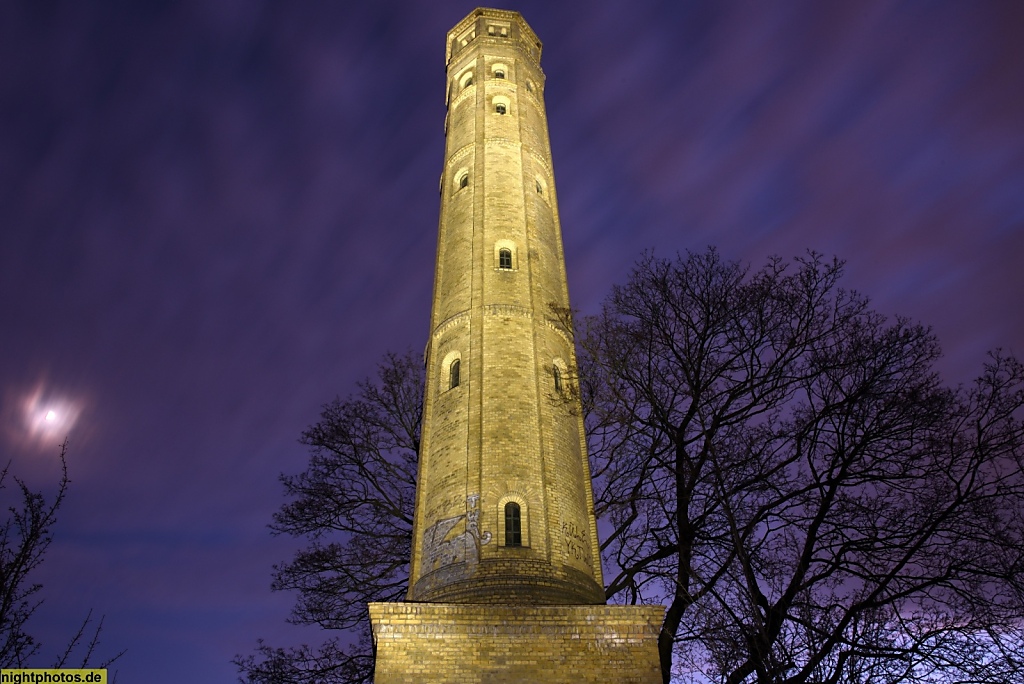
x: 504, y: 509
x: 505, y: 583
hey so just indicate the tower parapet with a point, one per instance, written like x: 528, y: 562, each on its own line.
x: 493, y: 25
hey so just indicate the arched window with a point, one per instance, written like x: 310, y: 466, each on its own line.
x: 498, y: 73
x: 513, y: 525
x: 463, y: 181
x: 505, y: 258
x: 540, y: 188
x: 453, y: 374
x: 558, y: 378
x: 500, y: 108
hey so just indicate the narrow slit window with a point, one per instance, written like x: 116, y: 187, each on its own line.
x: 505, y: 258
x: 463, y: 181
x: 513, y: 525
x: 558, y: 378
x: 453, y: 374
x: 540, y: 188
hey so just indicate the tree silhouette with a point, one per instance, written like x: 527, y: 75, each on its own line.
x: 25, y: 536
x: 354, y: 505
x: 776, y: 463
x: 783, y: 469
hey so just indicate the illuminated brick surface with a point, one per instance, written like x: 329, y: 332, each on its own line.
x: 501, y: 430
x: 464, y: 644
x: 504, y: 433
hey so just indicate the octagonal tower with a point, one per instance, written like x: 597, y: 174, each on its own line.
x: 505, y: 581
x: 504, y: 509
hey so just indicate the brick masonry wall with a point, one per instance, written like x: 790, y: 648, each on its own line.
x: 465, y: 644
x: 484, y: 611
x: 503, y: 433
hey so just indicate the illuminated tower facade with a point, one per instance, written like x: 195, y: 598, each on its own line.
x: 506, y: 580
x: 504, y: 510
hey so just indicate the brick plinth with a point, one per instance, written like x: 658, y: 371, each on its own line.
x: 426, y: 643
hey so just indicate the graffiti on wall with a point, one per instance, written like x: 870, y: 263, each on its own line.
x: 577, y: 545
x: 441, y: 549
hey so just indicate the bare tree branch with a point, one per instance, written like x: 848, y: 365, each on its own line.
x: 783, y: 469
x: 776, y: 463
x: 354, y: 505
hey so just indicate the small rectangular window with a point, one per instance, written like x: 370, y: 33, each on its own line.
x: 453, y: 374
x: 513, y: 525
x: 505, y: 258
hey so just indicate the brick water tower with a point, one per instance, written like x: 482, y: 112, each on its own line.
x: 505, y: 580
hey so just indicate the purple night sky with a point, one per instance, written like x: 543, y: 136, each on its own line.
x: 216, y: 215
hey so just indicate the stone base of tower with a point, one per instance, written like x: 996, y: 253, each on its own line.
x: 426, y: 643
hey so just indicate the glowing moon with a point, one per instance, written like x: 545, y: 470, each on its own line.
x: 48, y: 414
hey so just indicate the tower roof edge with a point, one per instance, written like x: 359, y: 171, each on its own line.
x: 525, y: 33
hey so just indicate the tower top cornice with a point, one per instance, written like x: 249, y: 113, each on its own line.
x: 484, y: 22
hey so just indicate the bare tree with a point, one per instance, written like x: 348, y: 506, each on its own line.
x: 354, y: 505
x: 25, y: 537
x: 776, y: 463
x: 783, y: 469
